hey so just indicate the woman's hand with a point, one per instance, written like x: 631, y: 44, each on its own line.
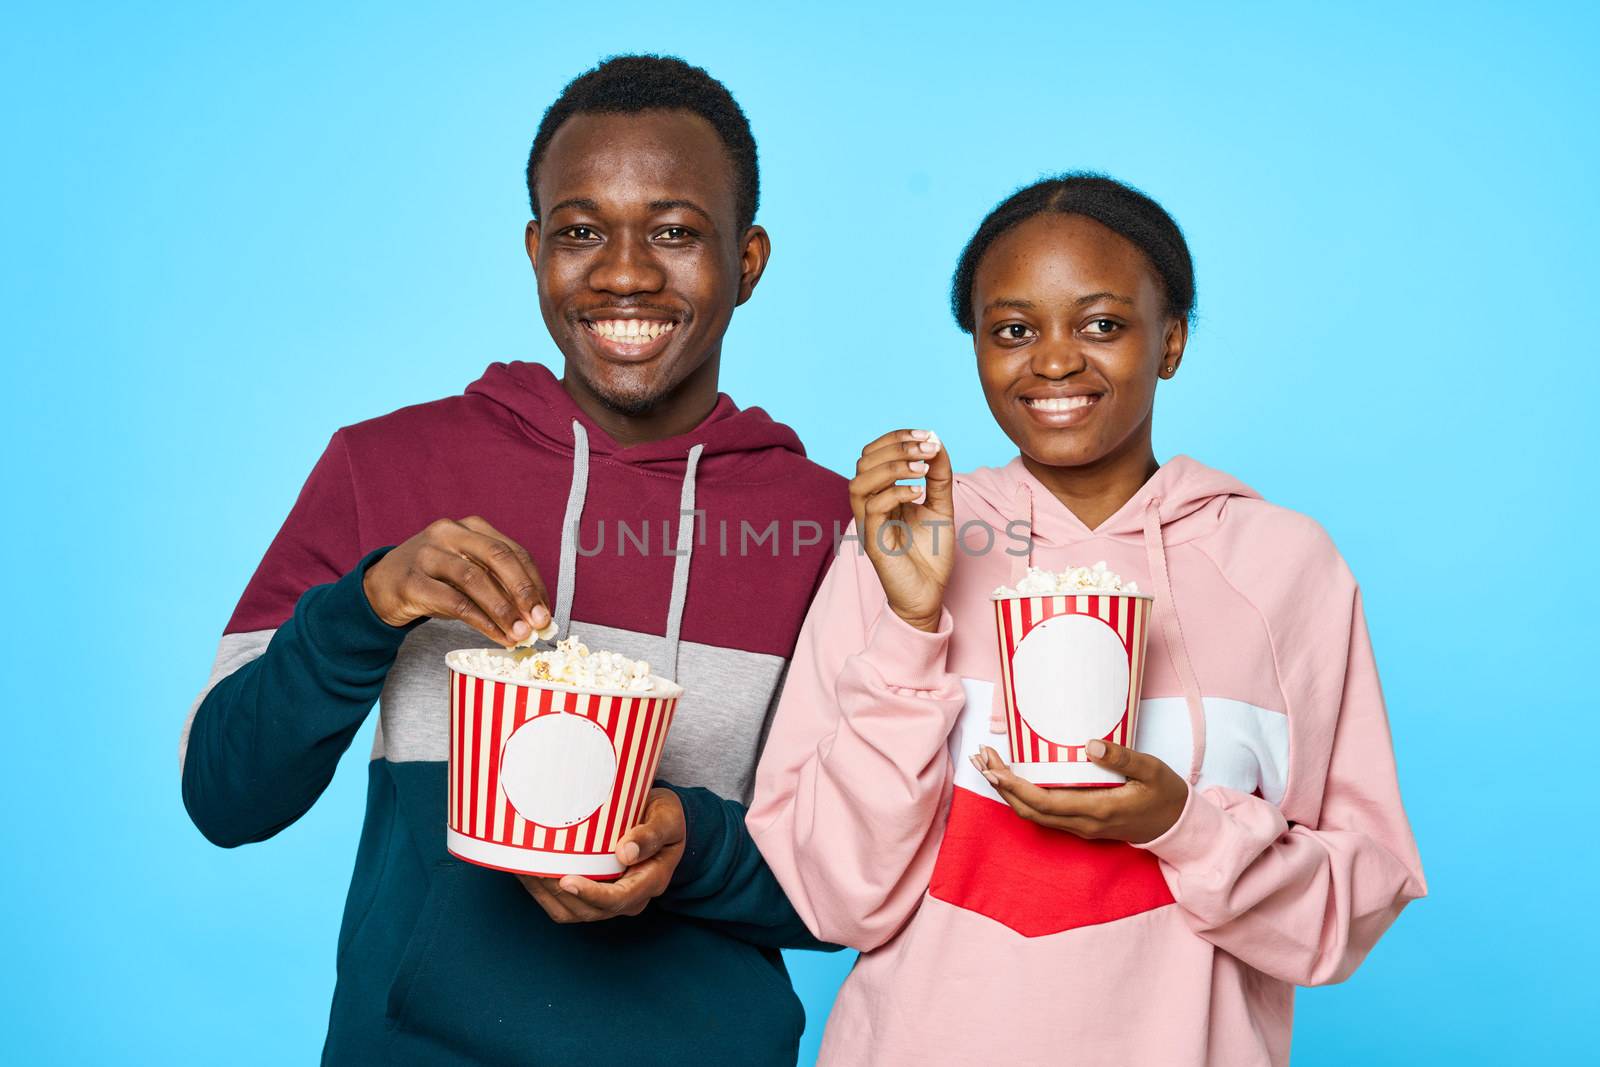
x: 1140, y: 811
x: 911, y: 543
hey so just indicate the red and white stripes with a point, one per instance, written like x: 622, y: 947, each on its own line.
x: 1127, y: 615
x: 485, y: 827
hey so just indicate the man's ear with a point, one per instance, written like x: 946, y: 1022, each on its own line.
x: 1172, y: 356
x: 753, y: 255
x: 530, y: 241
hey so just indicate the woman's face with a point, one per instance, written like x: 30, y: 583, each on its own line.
x: 1072, y: 333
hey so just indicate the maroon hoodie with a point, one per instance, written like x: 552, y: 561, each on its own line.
x: 303, y: 658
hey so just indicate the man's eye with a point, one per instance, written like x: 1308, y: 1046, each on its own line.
x: 1013, y: 331
x: 581, y: 233
x: 1104, y: 326
x: 674, y: 233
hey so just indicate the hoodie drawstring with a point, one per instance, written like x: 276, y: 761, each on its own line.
x: 569, y: 526
x: 1020, y: 562
x: 1172, y: 634
x: 680, y: 566
x: 567, y: 574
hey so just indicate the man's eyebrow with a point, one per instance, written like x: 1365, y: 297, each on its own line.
x: 581, y: 203
x: 687, y: 205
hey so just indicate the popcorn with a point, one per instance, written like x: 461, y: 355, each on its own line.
x: 1073, y: 580
x: 546, y: 634
x: 570, y: 663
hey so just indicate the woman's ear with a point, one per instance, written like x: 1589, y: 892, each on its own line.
x: 1172, y: 351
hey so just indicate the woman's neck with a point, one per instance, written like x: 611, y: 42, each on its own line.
x: 1095, y: 491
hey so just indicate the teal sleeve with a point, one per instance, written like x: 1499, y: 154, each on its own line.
x: 265, y: 741
x: 722, y: 879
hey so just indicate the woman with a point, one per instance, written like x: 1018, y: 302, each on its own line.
x: 1259, y: 842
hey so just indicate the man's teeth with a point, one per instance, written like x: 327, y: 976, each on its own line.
x: 636, y: 330
x: 1060, y: 403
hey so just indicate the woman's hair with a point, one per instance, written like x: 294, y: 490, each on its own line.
x: 1118, y: 207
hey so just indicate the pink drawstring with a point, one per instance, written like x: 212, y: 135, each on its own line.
x: 1172, y: 633
x: 1019, y: 567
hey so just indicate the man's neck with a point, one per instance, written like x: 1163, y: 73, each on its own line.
x: 678, y: 412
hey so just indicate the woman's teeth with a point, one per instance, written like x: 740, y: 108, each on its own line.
x: 637, y: 331
x: 1060, y: 403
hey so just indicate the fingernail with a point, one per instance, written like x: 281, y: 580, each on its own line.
x: 570, y: 887
x: 520, y: 630
x: 919, y: 467
x: 1097, y: 749
x: 976, y: 763
x: 919, y: 435
x: 929, y: 447
x: 628, y: 853
x: 539, y: 617
x: 993, y: 778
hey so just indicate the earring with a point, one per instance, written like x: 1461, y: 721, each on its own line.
x: 1170, y: 370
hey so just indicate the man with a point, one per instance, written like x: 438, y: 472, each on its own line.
x: 643, y: 186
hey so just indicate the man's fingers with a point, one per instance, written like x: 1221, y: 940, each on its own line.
x: 466, y: 574
x: 662, y: 825
x: 513, y: 567
x: 447, y: 602
x: 556, y: 904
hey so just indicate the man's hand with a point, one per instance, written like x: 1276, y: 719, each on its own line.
x: 1139, y: 811
x: 463, y: 570
x: 650, y: 851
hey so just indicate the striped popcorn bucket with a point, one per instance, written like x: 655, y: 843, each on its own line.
x: 545, y: 779
x: 1071, y: 667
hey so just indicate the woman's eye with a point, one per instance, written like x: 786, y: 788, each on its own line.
x: 1013, y: 331
x: 1104, y: 326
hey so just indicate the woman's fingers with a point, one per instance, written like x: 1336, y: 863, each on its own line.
x: 900, y: 445
x: 877, y: 478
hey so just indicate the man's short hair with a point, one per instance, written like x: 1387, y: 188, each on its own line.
x: 629, y: 84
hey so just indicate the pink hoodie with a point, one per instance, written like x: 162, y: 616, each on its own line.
x: 988, y: 939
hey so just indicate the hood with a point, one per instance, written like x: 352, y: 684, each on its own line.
x: 1182, y: 489
x: 535, y: 396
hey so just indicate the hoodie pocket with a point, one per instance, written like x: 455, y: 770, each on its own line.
x: 419, y: 947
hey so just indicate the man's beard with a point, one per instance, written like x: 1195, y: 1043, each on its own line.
x: 631, y: 404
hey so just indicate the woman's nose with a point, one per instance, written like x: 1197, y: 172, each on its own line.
x: 626, y: 266
x: 1056, y: 358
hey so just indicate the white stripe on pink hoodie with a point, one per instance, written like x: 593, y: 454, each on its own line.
x: 988, y: 939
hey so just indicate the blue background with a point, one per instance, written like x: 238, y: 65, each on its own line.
x: 229, y: 232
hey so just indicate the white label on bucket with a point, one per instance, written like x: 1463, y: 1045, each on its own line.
x: 558, y: 769
x: 1070, y: 674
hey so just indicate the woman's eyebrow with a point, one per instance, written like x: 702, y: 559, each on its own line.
x: 1103, y: 295
x: 1010, y: 302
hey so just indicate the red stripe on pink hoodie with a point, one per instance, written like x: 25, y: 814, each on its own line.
x: 985, y: 938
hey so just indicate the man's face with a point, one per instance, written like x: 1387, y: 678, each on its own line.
x: 637, y: 252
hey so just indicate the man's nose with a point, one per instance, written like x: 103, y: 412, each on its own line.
x: 626, y: 266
